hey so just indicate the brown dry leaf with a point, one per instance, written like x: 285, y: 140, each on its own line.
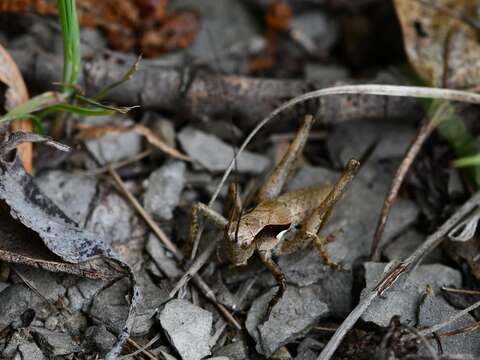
x: 15, y: 95
x: 441, y: 47
x: 92, y: 132
x: 143, y: 25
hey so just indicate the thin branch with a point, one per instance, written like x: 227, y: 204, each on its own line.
x: 197, y: 280
x: 394, y: 274
x: 385, y: 90
x: 465, y: 329
x: 460, y: 291
x: 141, y: 349
x: 422, y: 135
x: 194, y: 268
x: 454, y: 318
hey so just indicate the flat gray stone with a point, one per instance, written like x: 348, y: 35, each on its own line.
x: 43, y: 281
x: 55, y: 343
x: 164, y: 188
x: 352, y: 140
x: 70, y: 192
x: 309, y: 349
x: 291, y: 318
x: 110, y: 307
x: 403, y: 298
x: 405, y: 244
x: 99, y: 339
x: 166, y: 261
x: 30, y: 351
x: 3, y: 286
x: 18, y: 338
x: 15, y: 300
x: 354, y: 219
x: 334, y: 287
x: 229, y: 20
x: 81, y: 294
x: 188, y: 328
x: 309, y: 175
x: 215, y: 155
x: 237, y: 350
x: 112, y: 219
x: 325, y: 73
x: 435, y: 310
x: 315, y: 30
x: 115, y: 147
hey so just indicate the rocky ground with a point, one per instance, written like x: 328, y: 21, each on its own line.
x: 56, y: 314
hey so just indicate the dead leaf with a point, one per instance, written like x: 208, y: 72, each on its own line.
x: 35, y: 232
x: 441, y: 47
x: 15, y: 95
x: 93, y: 132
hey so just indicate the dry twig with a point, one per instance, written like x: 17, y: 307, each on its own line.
x: 394, y: 274
x: 198, y: 281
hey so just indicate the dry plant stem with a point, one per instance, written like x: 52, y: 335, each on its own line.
x: 194, y: 268
x: 198, y: 281
x: 454, y: 318
x: 141, y: 349
x: 422, y: 135
x: 465, y: 329
x: 156, y: 86
x: 241, y: 295
x: 461, y: 291
x: 117, y: 165
x: 415, y: 333
x: 393, y: 275
x: 385, y: 90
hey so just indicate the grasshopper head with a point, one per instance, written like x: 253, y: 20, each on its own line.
x: 238, y: 245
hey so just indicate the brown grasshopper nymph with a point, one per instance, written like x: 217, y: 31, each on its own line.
x: 280, y: 223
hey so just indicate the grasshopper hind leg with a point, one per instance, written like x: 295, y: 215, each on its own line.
x: 276, y: 181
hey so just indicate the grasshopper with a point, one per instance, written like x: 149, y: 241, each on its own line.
x: 280, y: 223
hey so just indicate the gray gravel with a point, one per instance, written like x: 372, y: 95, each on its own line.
x: 215, y: 155
x: 435, y: 310
x: 70, y: 192
x: 292, y: 317
x: 404, y: 298
x: 114, y: 147
x: 163, y: 190
x: 55, y: 343
x: 188, y: 328
x: 99, y: 339
x: 353, y: 139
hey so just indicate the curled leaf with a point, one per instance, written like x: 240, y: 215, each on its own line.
x: 15, y: 95
x: 34, y: 231
x: 442, y: 47
x: 466, y: 229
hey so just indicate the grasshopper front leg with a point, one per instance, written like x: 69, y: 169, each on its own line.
x: 200, y: 209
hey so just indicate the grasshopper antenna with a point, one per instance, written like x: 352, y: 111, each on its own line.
x: 236, y: 180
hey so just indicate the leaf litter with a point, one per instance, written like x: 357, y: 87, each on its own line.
x: 61, y: 245
x: 89, y: 257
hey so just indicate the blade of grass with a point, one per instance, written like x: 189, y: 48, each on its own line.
x: 71, y: 43
x: 37, y: 103
x: 452, y: 128
x: 466, y: 161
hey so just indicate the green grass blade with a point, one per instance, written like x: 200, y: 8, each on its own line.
x: 71, y: 43
x: 37, y: 103
x: 452, y: 128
